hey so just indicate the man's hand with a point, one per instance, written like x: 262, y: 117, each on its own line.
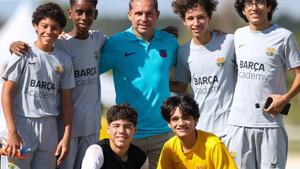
x: 171, y: 29
x: 19, y: 48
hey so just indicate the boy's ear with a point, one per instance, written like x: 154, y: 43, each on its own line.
x: 69, y: 13
x: 96, y: 14
x: 35, y: 26
x: 107, y: 129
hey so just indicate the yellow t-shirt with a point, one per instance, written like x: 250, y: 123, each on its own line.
x: 208, y: 153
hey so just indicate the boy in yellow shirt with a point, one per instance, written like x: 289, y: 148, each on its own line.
x: 190, y: 148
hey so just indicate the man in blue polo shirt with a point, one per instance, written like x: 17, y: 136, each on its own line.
x: 141, y: 58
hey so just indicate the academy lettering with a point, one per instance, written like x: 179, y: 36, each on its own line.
x: 252, y: 65
x: 40, y: 94
x: 207, y: 89
x: 86, y: 82
x: 205, y: 80
x: 253, y: 76
x: 42, y: 84
x: 85, y: 72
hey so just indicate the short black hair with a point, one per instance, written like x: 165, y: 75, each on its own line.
x: 49, y: 10
x: 122, y: 112
x: 180, y: 7
x: 240, y: 5
x: 155, y: 4
x: 92, y: 1
x: 186, y: 104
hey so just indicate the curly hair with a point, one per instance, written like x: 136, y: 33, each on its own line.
x: 180, y: 7
x: 92, y: 1
x: 186, y: 104
x: 122, y: 112
x: 49, y: 10
x: 240, y: 5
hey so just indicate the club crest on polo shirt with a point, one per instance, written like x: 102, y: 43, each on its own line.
x: 58, y: 69
x: 270, y: 51
x: 220, y: 61
x: 163, y: 53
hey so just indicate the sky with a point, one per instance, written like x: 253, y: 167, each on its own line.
x: 111, y: 8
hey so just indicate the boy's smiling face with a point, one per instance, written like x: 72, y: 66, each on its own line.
x: 82, y: 13
x: 47, y: 31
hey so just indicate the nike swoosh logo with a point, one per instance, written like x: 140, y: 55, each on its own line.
x: 126, y: 54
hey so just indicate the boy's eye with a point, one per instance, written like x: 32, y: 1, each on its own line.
x: 79, y: 12
x: 115, y: 126
x: 55, y: 28
x: 174, y: 118
x: 89, y: 12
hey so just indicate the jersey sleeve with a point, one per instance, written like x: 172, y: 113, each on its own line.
x: 15, y: 68
x: 67, y: 80
x: 291, y: 52
x: 93, y: 158
x: 182, y: 71
x: 222, y: 158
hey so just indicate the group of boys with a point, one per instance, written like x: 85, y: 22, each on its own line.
x: 231, y: 77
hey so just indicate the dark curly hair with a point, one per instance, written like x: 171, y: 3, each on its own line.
x: 186, y: 104
x: 240, y: 5
x: 155, y: 4
x: 92, y: 1
x: 49, y: 10
x: 180, y: 7
x: 122, y: 112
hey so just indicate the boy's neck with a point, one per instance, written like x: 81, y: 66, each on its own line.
x: 79, y: 35
x: 188, y: 143
x: 206, y: 38
x: 45, y: 48
x: 121, y: 152
x: 260, y: 27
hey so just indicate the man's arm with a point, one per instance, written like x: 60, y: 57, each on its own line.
x: 279, y: 101
x: 14, y: 140
x: 67, y: 116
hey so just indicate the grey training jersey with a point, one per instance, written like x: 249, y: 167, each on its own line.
x: 262, y: 58
x: 86, y: 95
x: 39, y: 75
x: 211, y: 71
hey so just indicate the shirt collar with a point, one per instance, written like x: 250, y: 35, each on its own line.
x: 131, y: 36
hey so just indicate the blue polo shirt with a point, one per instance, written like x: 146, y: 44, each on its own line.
x: 141, y: 73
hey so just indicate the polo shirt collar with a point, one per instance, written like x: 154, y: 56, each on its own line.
x: 131, y: 36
